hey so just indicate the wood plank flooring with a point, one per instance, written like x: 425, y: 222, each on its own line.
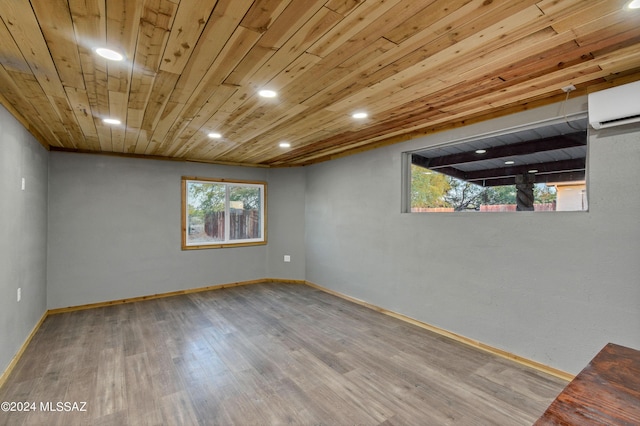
x: 263, y: 354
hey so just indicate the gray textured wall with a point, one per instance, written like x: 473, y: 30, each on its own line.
x: 114, y: 230
x: 23, y: 235
x: 551, y: 287
x: 286, y: 223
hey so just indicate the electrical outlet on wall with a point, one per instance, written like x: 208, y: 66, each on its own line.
x: 19, y: 293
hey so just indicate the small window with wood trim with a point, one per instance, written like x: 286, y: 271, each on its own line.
x: 220, y: 213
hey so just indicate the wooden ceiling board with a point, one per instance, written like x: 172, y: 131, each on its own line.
x: 431, y: 67
x: 190, y: 21
x: 234, y: 50
x: 90, y: 31
x: 80, y: 105
x: 566, y: 19
x: 194, y: 67
x: 287, y: 23
x: 10, y: 95
x: 56, y: 24
x: 22, y: 24
x: 10, y: 55
x: 360, y: 19
x: 343, y: 7
x: 263, y: 13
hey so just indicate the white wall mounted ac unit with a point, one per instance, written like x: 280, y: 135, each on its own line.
x: 616, y: 106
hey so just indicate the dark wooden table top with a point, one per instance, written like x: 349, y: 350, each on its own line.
x: 606, y: 392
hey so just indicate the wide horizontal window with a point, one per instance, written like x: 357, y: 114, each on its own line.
x: 219, y: 213
x: 534, y: 169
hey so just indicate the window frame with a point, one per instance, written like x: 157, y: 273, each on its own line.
x: 569, y: 119
x: 227, y: 243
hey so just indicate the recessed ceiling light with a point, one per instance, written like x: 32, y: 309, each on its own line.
x: 480, y: 151
x: 360, y: 115
x: 214, y: 135
x: 267, y: 93
x: 509, y: 162
x: 110, y: 121
x: 533, y: 171
x: 112, y: 55
x: 635, y: 4
x: 285, y: 145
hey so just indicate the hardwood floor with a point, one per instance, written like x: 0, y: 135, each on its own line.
x: 263, y: 354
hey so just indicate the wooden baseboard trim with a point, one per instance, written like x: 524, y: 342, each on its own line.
x: 278, y: 280
x: 462, y: 339
x: 169, y: 294
x: 18, y: 355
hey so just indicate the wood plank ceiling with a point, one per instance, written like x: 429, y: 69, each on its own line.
x: 193, y: 67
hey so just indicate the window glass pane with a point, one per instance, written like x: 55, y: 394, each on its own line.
x: 206, y: 208
x: 244, y: 212
x: 436, y: 192
x: 428, y: 190
x: 538, y: 168
x: 218, y: 213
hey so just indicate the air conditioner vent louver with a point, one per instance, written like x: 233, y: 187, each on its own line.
x: 620, y: 121
x: 615, y: 107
